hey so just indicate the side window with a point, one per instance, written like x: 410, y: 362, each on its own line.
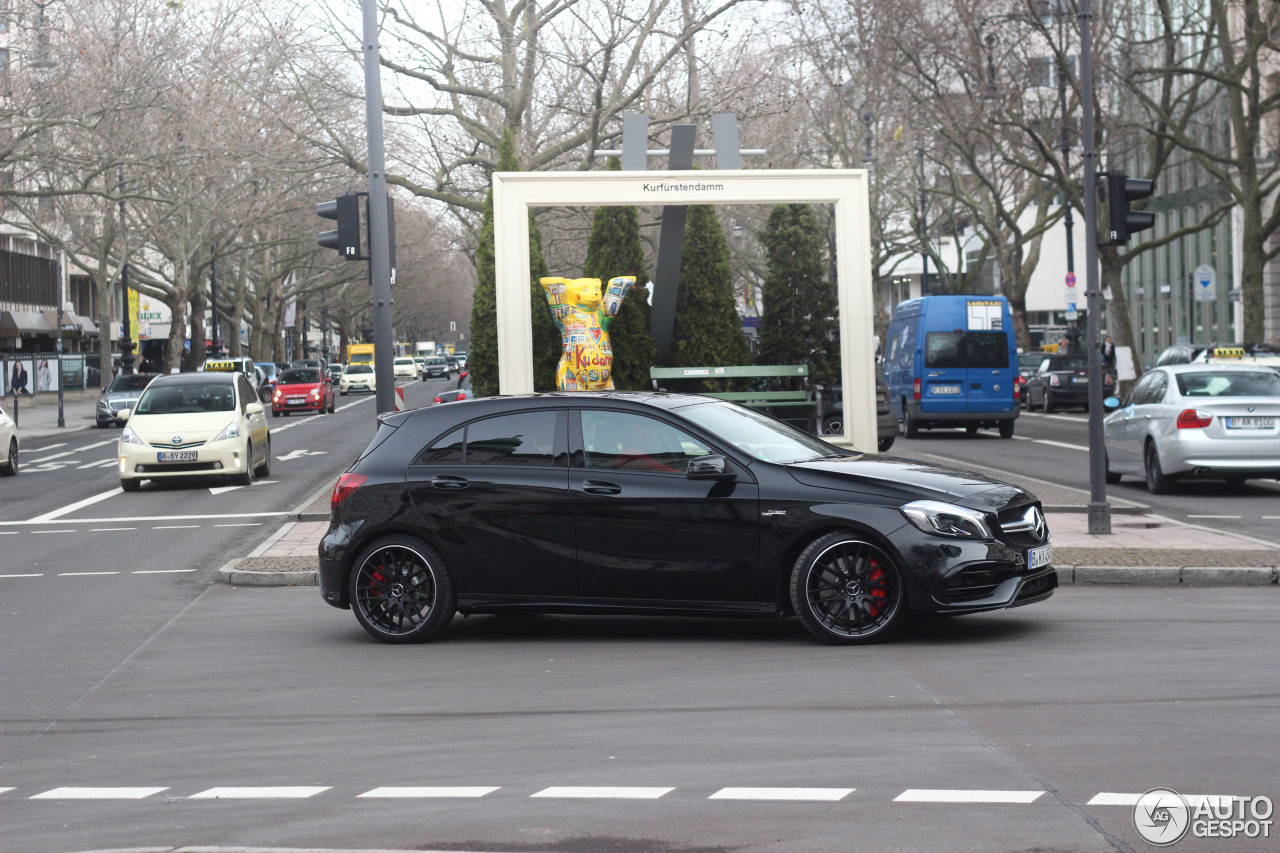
x: 526, y: 438
x: 1159, y: 385
x: 246, y: 392
x: 1138, y: 395
x: 621, y: 441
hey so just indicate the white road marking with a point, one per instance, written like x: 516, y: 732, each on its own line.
x: 243, y: 793
x: 356, y: 403
x: 1075, y: 419
x: 276, y: 514
x: 5, y: 790
x: 604, y: 793
x: 67, y: 452
x: 104, y: 463
x: 241, y: 524
x: 51, y: 531
x: 1271, y: 518
x: 926, y: 795
x: 81, y: 504
x: 1107, y: 798
x: 829, y: 795
x: 49, y: 458
x: 22, y: 576
x: 427, y: 792
x: 159, y: 571
x: 49, y: 447
x: 301, y: 451
x: 99, y: 444
x: 109, y: 529
x: 97, y: 793
x: 1213, y: 516
x: 217, y: 490
x: 8, y: 532
x: 82, y: 574
x: 175, y: 527
x: 1061, y: 444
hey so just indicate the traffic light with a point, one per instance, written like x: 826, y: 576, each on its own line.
x: 1116, y: 191
x: 346, y: 238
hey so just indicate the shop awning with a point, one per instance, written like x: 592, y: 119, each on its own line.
x: 71, y: 321
x: 14, y: 323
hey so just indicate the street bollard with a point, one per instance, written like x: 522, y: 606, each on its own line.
x: 15, y: 409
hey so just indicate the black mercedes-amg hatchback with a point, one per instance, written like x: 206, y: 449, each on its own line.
x: 663, y: 504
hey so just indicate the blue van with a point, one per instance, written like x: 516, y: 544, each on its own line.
x: 952, y: 361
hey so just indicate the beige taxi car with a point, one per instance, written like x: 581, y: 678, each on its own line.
x: 195, y: 425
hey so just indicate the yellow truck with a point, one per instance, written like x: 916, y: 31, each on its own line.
x: 359, y: 353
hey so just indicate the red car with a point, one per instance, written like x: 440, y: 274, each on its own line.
x: 302, y: 389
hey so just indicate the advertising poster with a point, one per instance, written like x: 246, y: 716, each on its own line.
x: 135, y: 327
x: 21, y: 378
x: 46, y: 372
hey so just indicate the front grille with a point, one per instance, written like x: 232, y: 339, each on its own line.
x: 178, y: 467
x: 976, y: 582
x: 186, y: 445
x: 1018, y: 528
x: 1038, y: 586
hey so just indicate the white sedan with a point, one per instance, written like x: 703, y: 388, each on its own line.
x: 404, y: 367
x: 8, y: 445
x: 192, y: 425
x: 1183, y: 421
x: 357, y: 377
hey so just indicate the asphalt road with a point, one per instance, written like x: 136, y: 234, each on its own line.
x: 264, y: 718
x: 1055, y: 448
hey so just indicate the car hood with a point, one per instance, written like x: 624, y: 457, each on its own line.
x: 121, y: 396
x: 193, y: 426
x: 898, y: 478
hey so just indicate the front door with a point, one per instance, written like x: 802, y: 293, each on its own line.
x: 645, y: 531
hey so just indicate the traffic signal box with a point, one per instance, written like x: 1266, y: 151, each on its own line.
x: 1116, y: 222
x: 346, y: 238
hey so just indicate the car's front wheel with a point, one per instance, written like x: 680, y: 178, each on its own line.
x: 401, y: 591
x: 847, y: 591
x: 10, y: 466
x: 264, y: 470
x: 246, y: 478
x: 131, y: 485
x: 884, y: 444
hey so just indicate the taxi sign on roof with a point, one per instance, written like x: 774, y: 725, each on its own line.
x: 220, y: 365
x: 1228, y: 352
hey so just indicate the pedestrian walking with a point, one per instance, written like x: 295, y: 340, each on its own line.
x: 1108, y: 352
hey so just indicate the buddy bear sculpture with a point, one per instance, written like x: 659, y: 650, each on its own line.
x: 583, y: 314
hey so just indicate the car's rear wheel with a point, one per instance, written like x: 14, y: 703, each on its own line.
x: 1046, y: 404
x: 401, y: 591
x: 1006, y: 429
x: 910, y: 428
x: 847, y: 591
x: 1158, y: 482
x: 971, y: 429
x: 10, y: 466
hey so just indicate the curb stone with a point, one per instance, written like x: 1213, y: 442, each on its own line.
x: 1169, y: 575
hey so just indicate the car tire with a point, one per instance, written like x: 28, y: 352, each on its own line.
x: 847, y: 591
x: 274, y: 413
x: 10, y: 466
x: 1006, y: 429
x: 401, y: 591
x: 102, y: 424
x: 910, y: 428
x: 884, y: 444
x: 1236, y: 480
x: 971, y: 429
x: 342, y: 393
x: 833, y: 425
x: 333, y: 405
x: 264, y: 470
x: 131, y: 485
x: 1158, y: 482
x: 1046, y: 405
x: 246, y: 477
x: 1111, y: 477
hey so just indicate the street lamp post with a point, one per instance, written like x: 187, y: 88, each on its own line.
x: 213, y: 300
x: 62, y: 420
x: 126, y: 344
x: 1064, y: 144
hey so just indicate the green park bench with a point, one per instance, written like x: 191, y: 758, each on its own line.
x: 789, y: 402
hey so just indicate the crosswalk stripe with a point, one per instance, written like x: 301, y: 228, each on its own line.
x: 427, y: 792
x: 927, y: 795
x: 830, y: 795
x: 285, y: 792
x: 97, y: 793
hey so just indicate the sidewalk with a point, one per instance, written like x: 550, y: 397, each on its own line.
x: 38, y: 414
x: 1141, y: 549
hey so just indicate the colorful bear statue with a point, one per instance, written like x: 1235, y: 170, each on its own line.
x: 583, y: 313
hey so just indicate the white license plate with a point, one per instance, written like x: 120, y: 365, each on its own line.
x: 1251, y: 423
x: 1080, y: 379
x: 297, y: 401
x: 1040, y: 557
x: 176, y: 456
x: 944, y: 389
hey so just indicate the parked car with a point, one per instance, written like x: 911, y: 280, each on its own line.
x: 404, y: 367
x: 335, y: 371
x: 950, y: 361
x: 435, y: 367
x: 357, y: 377
x: 122, y: 393
x: 461, y: 392
x: 1062, y: 381
x: 195, y: 425
x: 1196, y: 421
x: 302, y: 389
x: 8, y: 445
x: 886, y: 422
x: 309, y: 362
x: 663, y: 504
x: 1259, y: 355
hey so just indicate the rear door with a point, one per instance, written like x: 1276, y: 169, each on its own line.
x: 989, y: 355
x: 945, y: 377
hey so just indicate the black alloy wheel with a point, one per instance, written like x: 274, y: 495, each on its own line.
x: 1046, y: 405
x: 1158, y: 482
x: 10, y: 466
x: 400, y: 591
x: 847, y: 591
x: 833, y: 426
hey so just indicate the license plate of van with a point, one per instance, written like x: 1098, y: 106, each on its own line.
x: 944, y: 389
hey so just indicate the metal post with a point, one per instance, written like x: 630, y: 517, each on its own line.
x: 379, y: 247
x: 306, y: 332
x: 324, y: 325
x: 666, y: 272
x: 213, y: 296
x: 126, y: 345
x: 1073, y: 326
x: 1099, y: 509
x: 62, y: 420
x: 924, y: 233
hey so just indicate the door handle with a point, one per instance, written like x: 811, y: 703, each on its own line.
x: 600, y: 487
x: 444, y: 481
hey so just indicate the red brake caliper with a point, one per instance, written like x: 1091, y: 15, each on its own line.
x: 377, y: 578
x: 877, y: 591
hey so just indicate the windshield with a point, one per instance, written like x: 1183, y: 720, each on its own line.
x: 187, y: 399
x: 435, y: 359
x: 132, y: 382
x: 268, y: 368
x: 1229, y: 384
x: 758, y: 435
x: 359, y: 368
x: 300, y: 376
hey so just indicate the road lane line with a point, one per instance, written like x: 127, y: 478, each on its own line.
x: 48, y: 447
x: 275, y: 514
x: 241, y: 524
x: 927, y: 795
x: 296, y: 792
x: 427, y: 792
x: 97, y: 793
x: 1061, y: 444
x: 83, y: 574
x: 102, y: 463
x: 829, y: 795
x: 1213, y: 516
x: 5, y: 790
x: 69, y: 508
x: 52, y: 531
x: 47, y: 458
x: 22, y: 576
x: 159, y: 571
x: 603, y: 793
x: 1108, y: 798
x: 109, y: 529
x: 9, y: 532
x: 67, y: 452
x: 99, y: 444
x: 176, y: 527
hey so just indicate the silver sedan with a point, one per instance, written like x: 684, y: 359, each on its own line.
x: 1209, y: 421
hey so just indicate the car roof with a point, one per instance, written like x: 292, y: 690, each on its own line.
x: 1214, y: 367
x: 225, y: 376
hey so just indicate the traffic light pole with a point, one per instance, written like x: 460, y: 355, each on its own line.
x: 379, y: 244
x: 1099, y: 508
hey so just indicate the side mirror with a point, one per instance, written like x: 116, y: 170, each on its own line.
x: 124, y: 414
x: 711, y: 467
x: 1111, y: 403
x: 254, y: 409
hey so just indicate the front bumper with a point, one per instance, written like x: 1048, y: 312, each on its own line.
x: 356, y: 386
x: 221, y: 459
x: 309, y: 404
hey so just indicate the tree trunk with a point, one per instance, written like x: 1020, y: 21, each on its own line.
x: 1121, y: 328
x: 199, y: 301
x: 237, y: 310
x: 177, y: 333
x: 106, y: 322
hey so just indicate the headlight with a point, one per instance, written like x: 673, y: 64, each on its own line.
x: 232, y: 431
x: 942, y: 519
x: 129, y: 436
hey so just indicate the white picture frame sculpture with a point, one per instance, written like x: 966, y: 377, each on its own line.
x: 516, y: 193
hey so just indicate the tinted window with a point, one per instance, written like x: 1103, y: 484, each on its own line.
x: 618, y: 440
x: 1068, y: 362
x: 757, y: 434
x: 1153, y: 393
x: 1229, y: 384
x: 132, y: 382
x: 966, y: 349
x: 187, y: 398
x: 299, y: 376
x: 445, y: 451
x: 525, y: 438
